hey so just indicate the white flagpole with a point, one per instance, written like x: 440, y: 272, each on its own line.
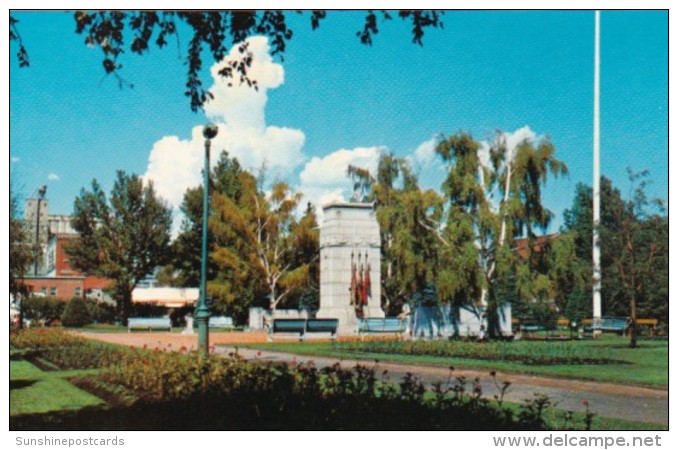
x: 596, y: 180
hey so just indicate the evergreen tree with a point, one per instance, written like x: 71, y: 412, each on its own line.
x: 76, y: 313
x: 634, y: 249
x: 122, y: 238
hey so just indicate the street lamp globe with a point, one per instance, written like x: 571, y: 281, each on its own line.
x: 210, y: 131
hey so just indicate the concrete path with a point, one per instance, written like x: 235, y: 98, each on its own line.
x: 605, y: 399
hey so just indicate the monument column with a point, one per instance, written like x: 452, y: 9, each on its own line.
x: 349, y: 245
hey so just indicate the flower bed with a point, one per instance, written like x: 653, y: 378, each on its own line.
x: 65, y: 350
x: 529, y: 353
x: 160, y: 389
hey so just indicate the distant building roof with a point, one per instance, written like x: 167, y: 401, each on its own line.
x: 166, y: 296
x: 538, y: 244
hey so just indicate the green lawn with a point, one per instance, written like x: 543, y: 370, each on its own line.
x: 646, y: 365
x: 35, y: 391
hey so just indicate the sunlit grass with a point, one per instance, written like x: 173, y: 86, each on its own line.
x: 646, y: 365
x: 34, y: 391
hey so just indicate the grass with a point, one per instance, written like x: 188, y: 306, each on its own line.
x: 646, y: 365
x: 34, y: 391
x: 555, y: 418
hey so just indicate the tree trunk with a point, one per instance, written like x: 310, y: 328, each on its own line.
x: 492, y: 312
x: 633, y: 329
x: 272, y: 301
x: 126, y: 297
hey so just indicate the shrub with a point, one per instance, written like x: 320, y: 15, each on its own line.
x: 229, y: 392
x: 101, y: 312
x: 47, y: 309
x: 76, y: 313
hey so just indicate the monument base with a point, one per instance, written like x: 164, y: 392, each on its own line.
x: 348, y: 322
x: 373, y: 311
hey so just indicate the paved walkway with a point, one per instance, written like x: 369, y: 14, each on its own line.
x: 605, y: 399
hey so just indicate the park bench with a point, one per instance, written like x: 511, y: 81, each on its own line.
x: 319, y: 328
x: 648, y: 323
x: 609, y: 324
x: 303, y: 328
x: 149, y: 323
x: 374, y: 325
x: 221, y: 322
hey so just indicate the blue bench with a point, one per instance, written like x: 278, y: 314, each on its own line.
x: 149, y: 323
x: 610, y: 324
x: 375, y: 325
x: 221, y: 322
x: 303, y: 328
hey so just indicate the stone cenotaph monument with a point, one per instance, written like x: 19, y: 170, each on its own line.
x: 350, y: 265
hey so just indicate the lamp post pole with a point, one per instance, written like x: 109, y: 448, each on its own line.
x: 36, y: 249
x: 202, y: 314
x: 597, y: 310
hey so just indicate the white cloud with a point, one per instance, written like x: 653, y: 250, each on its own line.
x: 53, y: 177
x: 512, y: 140
x: 425, y: 154
x: 175, y: 165
x: 324, y: 179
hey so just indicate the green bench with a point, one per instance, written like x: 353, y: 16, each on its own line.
x: 374, y: 325
x: 304, y: 328
x: 149, y: 323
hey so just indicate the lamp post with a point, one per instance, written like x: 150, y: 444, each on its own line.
x: 597, y: 310
x: 36, y: 250
x: 202, y: 313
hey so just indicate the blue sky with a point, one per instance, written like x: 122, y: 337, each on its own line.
x: 334, y: 101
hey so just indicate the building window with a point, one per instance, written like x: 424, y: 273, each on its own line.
x: 53, y: 291
x: 43, y: 290
x: 77, y: 291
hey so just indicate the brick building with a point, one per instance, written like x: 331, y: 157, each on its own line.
x: 56, y: 277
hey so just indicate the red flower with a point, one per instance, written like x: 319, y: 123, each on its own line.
x: 585, y: 403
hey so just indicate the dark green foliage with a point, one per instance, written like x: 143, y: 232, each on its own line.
x: 123, y: 237
x: 76, y: 313
x: 634, y: 238
x: 47, y: 309
x: 101, y: 312
x: 579, y: 306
